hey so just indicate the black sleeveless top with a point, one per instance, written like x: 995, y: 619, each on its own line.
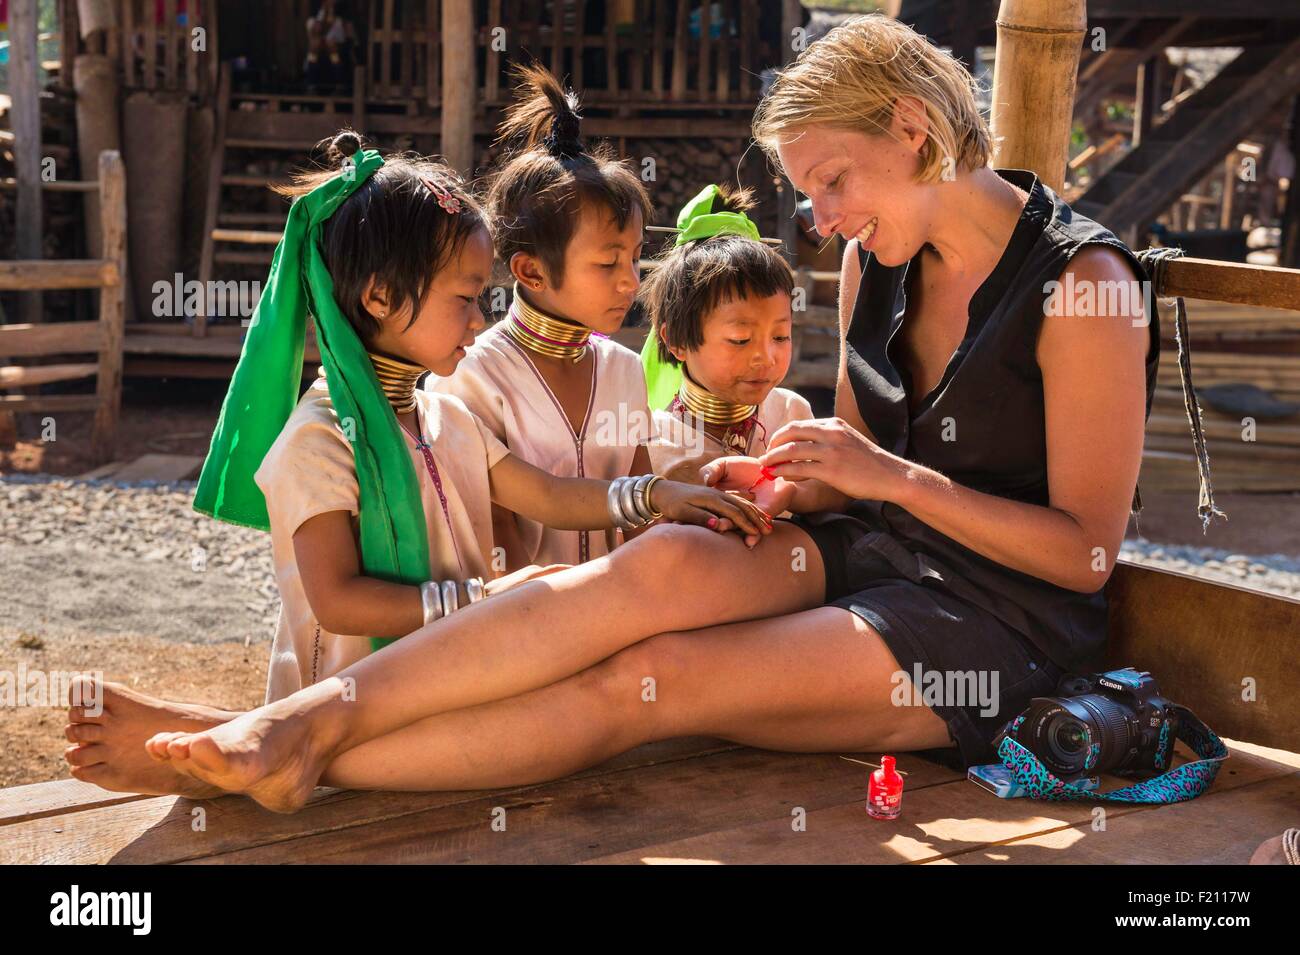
x: 991, y: 399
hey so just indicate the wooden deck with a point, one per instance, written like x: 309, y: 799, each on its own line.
x: 683, y: 801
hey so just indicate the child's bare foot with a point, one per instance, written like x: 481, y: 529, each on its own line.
x: 109, y: 738
x: 274, y: 754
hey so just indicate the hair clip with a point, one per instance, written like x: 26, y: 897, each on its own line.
x: 446, y: 201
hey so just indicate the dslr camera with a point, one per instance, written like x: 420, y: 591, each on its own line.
x: 1114, y: 722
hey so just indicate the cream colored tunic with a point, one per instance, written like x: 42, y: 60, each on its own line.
x: 310, y: 470
x: 499, y: 382
x: 680, y: 449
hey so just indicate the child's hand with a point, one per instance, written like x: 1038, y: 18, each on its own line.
x: 748, y: 477
x: 712, y: 508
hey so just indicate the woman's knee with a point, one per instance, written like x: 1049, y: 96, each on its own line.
x: 639, y: 683
x: 665, y: 553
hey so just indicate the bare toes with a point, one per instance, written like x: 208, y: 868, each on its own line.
x: 85, y: 755
x: 90, y: 774
x: 158, y: 745
x: 85, y: 732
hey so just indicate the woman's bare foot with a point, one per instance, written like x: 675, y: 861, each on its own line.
x: 109, y: 738
x: 274, y: 754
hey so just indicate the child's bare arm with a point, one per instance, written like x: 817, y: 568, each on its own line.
x: 581, y: 503
x: 341, y: 598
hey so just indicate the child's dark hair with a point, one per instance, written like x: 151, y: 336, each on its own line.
x: 691, y: 280
x: 549, y: 175
x: 393, y: 228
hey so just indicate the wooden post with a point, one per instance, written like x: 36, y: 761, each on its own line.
x: 791, y: 19
x: 459, y: 78
x: 1033, y: 84
x: 112, y: 306
x: 24, y: 85
x: 1147, y: 98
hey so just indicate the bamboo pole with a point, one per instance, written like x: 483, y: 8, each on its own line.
x: 458, y: 82
x: 1033, y: 84
x: 24, y: 84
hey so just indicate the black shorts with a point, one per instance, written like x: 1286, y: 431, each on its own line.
x: 961, y: 647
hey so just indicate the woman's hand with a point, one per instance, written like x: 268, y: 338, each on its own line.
x: 830, y: 450
x: 710, y: 507
x: 747, y: 477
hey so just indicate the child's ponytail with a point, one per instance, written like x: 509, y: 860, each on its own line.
x: 544, y: 116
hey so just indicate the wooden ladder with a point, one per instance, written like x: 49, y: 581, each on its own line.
x: 1180, y: 151
x: 237, y: 238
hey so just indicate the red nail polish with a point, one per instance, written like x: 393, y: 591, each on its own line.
x: 713, y: 522
x: 885, y: 791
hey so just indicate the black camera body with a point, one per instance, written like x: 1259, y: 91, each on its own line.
x: 1113, y: 722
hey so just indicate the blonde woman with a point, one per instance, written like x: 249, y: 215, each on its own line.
x: 955, y: 524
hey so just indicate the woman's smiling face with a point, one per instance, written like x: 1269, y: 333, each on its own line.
x: 863, y: 186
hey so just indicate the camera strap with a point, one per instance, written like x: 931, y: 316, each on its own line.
x: 1177, y: 785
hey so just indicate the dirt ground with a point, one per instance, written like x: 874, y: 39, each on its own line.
x: 211, y: 647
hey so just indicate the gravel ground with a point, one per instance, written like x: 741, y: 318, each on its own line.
x: 1275, y: 573
x: 95, y: 556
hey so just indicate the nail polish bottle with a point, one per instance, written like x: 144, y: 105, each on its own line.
x: 885, y: 791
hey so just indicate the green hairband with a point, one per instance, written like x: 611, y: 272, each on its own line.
x: 264, y: 392
x: 697, y: 220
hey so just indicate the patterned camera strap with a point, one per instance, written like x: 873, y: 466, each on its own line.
x: 1177, y: 785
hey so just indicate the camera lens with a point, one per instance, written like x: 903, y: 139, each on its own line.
x: 1067, y: 736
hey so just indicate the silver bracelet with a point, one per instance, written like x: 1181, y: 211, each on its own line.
x: 475, y: 590
x: 450, y: 598
x: 643, y: 485
x: 627, y: 498
x: 431, y: 601
x: 614, y: 502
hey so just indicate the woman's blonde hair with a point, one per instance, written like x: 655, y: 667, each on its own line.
x: 851, y: 78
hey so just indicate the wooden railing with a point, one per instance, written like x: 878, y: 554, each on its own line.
x: 103, y: 337
x: 649, y: 50
x: 161, y: 56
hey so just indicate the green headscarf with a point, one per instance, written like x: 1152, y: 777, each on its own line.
x: 264, y: 391
x: 697, y: 220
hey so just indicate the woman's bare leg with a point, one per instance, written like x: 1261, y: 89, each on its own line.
x: 672, y: 578
x: 813, y: 681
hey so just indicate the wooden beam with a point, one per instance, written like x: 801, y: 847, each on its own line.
x: 58, y: 274
x: 25, y: 110
x: 1147, y: 99
x: 459, y: 84
x: 15, y: 404
x: 112, y: 306
x: 212, y: 205
x: 1265, y: 286
x: 791, y: 19
x: 23, y: 376
x: 53, y: 338
x: 1033, y: 84
x: 1204, y: 640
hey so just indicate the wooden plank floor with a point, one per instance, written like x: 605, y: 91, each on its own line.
x: 683, y: 801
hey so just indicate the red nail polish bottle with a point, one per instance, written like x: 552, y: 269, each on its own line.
x: 885, y: 791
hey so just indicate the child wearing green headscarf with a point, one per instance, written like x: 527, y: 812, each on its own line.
x: 719, y: 302
x: 378, y: 494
